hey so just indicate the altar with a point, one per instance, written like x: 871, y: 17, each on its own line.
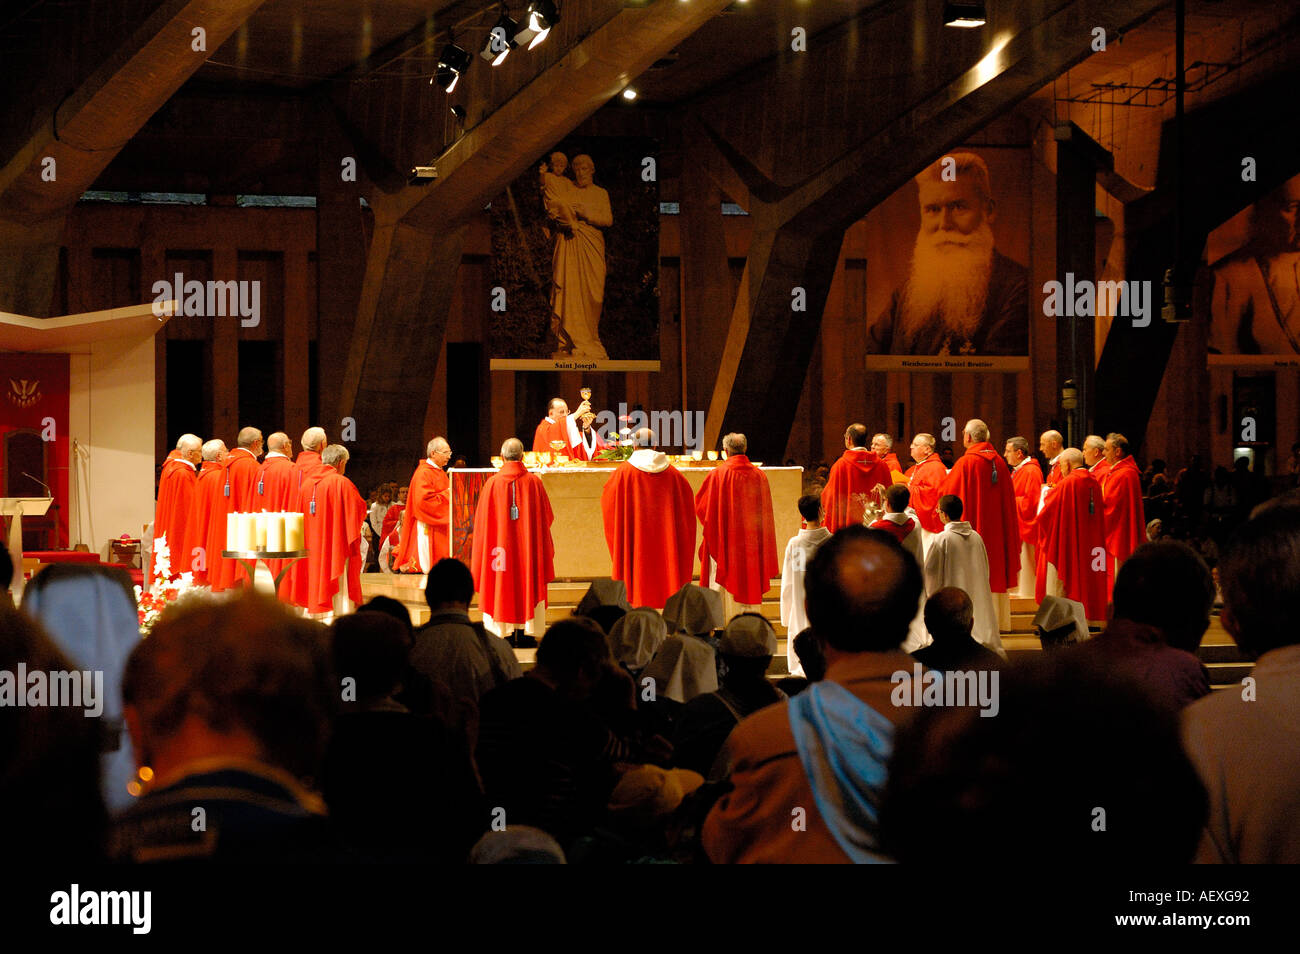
x: 579, y: 531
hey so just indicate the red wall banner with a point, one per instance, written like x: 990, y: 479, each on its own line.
x: 35, y: 438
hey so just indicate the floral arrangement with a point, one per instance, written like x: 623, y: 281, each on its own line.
x: 164, y: 591
x: 616, y: 452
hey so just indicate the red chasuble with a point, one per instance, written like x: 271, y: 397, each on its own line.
x: 331, y: 535
x: 853, y: 478
x: 275, y: 485
x: 735, y: 506
x: 649, y: 517
x: 391, y: 516
x: 1053, y: 474
x: 890, y: 461
x: 210, y: 508
x: 512, y: 559
x: 1100, y: 470
x: 982, y: 479
x: 1126, y: 527
x: 175, y: 516
x: 428, y: 500
x: 308, y: 466
x: 1028, y: 482
x: 548, y: 431
x: 924, y: 480
x: 1071, y: 534
x: 242, y: 471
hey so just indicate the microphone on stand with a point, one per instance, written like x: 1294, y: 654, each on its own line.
x: 48, y: 492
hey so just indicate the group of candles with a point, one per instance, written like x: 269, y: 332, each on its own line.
x: 272, y: 532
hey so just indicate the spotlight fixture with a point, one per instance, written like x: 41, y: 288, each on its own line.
x: 459, y: 113
x: 452, y: 62
x: 538, y: 20
x: 964, y: 14
x: 500, y: 40
x: 422, y: 175
x: 629, y: 94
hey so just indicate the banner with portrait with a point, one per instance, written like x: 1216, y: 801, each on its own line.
x: 575, y: 260
x: 1253, y: 288
x: 947, y: 275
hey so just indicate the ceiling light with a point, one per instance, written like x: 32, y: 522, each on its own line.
x: 541, y: 16
x: 964, y: 14
x: 629, y: 94
x: 500, y: 40
x: 452, y: 62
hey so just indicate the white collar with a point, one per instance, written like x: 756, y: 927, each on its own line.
x: 898, y: 518
x: 1056, y: 458
x: 276, y: 454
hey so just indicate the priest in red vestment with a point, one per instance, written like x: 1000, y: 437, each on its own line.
x: 924, y: 478
x: 1094, y: 457
x: 1027, y: 479
x: 293, y: 588
x: 276, y: 491
x: 560, y: 425
x: 210, y: 567
x: 853, y: 481
x: 1071, y: 534
x: 393, y: 516
x: 882, y: 445
x: 242, y: 472
x: 174, y: 515
x: 1051, y: 444
x: 982, y: 479
x: 332, y: 524
x: 738, y: 552
x: 426, y: 519
x: 1122, y: 489
x: 276, y: 485
x: 649, y: 515
x: 513, y: 557
x: 308, y: 463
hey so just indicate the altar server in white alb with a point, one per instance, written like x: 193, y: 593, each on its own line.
x: 798, y: 554
x: 957, y: 558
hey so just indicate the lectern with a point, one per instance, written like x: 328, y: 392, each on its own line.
x: 15, y: 508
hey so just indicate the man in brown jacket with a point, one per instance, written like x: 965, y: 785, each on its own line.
x: 807, y: 773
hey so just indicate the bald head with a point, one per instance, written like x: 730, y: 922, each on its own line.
x: 512, y: 449
x: 214, y: 450
x: 855, y: 436
x: 313, y: 439
x: 280, y: 443
x: 438, y: 448
x: 861, y: 590
x: 644, y: 438
x: 1050, y: 443
x: 735, y: 444
x: 975, y: 431
x: 949, y: 615
x: 1071, y: 459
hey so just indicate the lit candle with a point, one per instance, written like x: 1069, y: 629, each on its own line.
x: 275, y: 532
x: 293, y: 539
x: 232, y: 531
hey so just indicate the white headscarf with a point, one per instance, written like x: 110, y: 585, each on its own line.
x: 636, y: 638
